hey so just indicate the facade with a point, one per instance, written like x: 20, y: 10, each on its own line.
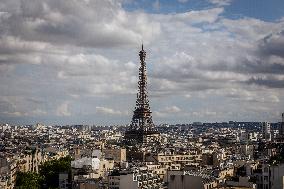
x: 269, y: 176
x: 86, y: 184
x: 8, y: 169
x: 281, y: 129
x: 31, y: 160
x: 118, y: 155
x: 247, y: 150
x: 266, y: 131
x: 28, y: 160
x: 63, y: 181
x: 91, y: 168
x: 262, y: 175
x: 243, y: 182
x: 134, y: 180
x: 186, y: 180
x: 170, y: 161
x: 277, y: 176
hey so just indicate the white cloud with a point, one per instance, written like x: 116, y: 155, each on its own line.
x: 63, y: 109
x: 187, y: 96
x: 172, y: 109
x: 14, y: 114
x: 251, y: 29
x: 205, y: 113
x: 81, y: 23
x: 191, y: 17
x: 79, y: 51
x: 102, y: 75
x: 169, y: 110
x: 38, y: 112
x: 221, y: 2
x: 109, y: 111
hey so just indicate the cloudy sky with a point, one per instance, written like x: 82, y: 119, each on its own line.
x: 76, y: 61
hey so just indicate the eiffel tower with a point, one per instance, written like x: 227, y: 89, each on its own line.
x: 141, y: 129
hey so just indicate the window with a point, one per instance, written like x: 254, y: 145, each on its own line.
x: 266, y: 178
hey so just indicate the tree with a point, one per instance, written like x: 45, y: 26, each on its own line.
x: 28, y: 180
x: 50, y: 171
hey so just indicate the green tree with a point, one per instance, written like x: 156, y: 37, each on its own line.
x: 50, y: 171
x: 28, y: 180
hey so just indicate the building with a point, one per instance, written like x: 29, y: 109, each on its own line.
x: 171, y: 161
x: 118, y: 155
x: 247, y: 150
x: 262, y: 175
x: 266, y: 131
x: 86, y: 183
x: 91, y: 168
x: 8, y: 170
x: 31, y: 159
x: 242, y: 182
x: 138, y: 179
x: 281, y: 129
x: 277, y: 176
x: 189, y: 180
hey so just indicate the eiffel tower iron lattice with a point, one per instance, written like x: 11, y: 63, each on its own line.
x: 141, y: 125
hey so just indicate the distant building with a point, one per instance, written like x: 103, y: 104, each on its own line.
x: 247, y: 150
x: 188, y: 180
x: 91, y: 168
x: 277, y: 176
x: 262, y: 177
x: 266, y: 131
x: 241, y: 183
x: 118, y: 155
x: 134, y: 180
x: 281, y: 129
x: 63, y: 181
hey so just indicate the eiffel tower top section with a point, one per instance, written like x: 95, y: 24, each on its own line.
x: 142, y: 119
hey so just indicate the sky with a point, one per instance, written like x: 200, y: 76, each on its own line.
x: 76, y: 61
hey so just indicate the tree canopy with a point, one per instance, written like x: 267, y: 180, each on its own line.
x: 48, y: 176
x: 28, y: 180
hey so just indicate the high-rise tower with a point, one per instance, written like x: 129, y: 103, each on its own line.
x: 281, y: 129
x: 280, y: 137
x: 141, y: 129
x: 266, y: 131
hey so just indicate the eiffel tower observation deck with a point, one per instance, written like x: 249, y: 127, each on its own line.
x: 142, y: 129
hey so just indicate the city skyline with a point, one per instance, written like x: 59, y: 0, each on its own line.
x: 76, y: 62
